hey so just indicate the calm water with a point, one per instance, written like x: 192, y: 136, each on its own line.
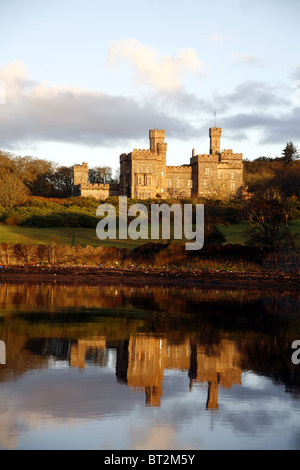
x: 148, y: 368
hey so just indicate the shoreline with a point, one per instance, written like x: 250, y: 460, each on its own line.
x: 141, y: 277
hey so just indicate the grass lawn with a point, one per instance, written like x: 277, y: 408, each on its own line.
x: 234, y: 233
x: 87, y: 236
x: 60, y: 235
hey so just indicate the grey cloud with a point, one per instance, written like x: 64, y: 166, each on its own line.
x: 256, y: 93
x: 82, y: 117
x: 278, y: 128
x: 35, y: 113
x: 250, y: 94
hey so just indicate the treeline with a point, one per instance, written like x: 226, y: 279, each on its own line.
x: 265, y: 173
x: 22, y: 177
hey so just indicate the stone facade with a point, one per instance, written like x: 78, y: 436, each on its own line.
x: 83, y: 188
x: 144, y: 173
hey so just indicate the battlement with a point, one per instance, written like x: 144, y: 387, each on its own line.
x: 84, y: 166
x: 228, y: 155
x: 162, y: 148
x: 144, y: 154
x: 204, y: 158
x: 157, y: 133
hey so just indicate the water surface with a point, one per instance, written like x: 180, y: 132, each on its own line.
x: 148, y: 368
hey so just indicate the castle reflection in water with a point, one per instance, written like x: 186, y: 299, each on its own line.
x: 211, y: 336
x: 142, y: 360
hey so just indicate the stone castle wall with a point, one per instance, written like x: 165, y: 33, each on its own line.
x: 144, y: 173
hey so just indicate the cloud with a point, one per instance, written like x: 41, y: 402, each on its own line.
x: 36, y: 112
x: 296, y: 73
x: 245, y: 59
x: 163, y: 73
x: 256, y: 94
x: 274, y: 128
x: 218, y: 38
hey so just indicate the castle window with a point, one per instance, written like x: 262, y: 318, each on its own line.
x: 220, y: 176
x: 206, y: 183
x: 207, y: 171
x: 232, y: 176
x: 148, y: 180
x: 190, y: 183
x: 180, y: 183
x: 148, y: 169
x: 169, y: 182
x: 232, y: 186
x: 139, y: 169
x: 140, y: 180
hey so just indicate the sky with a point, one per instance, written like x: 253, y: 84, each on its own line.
x: 85, y: 80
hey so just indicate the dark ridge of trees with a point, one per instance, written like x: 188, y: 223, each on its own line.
x: 265, y: 173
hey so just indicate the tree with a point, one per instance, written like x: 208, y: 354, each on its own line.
x: 268, y: 219
x: 54, y: 182
x: 290, y: 153
x: 12, y: 190
x: 62, y: 182
x: 100, y: 175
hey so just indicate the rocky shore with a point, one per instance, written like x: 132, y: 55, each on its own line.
x: 151, y: 277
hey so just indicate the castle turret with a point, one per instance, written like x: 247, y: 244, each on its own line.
x: 158, y: 145
x: 81, y: 174
x: 215, y: 138
x: 156, y: 136
x: 81, y: 177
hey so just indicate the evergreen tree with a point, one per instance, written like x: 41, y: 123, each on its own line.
x: 290, y: 153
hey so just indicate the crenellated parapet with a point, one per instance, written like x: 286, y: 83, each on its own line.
x: 228, y: 155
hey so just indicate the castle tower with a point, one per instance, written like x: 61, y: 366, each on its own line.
x: 81, y: 174
x: 156, y: 136
x: 215, y: 138
x: 158, y: 145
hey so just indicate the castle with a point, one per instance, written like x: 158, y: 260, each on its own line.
x: 144, y: 173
